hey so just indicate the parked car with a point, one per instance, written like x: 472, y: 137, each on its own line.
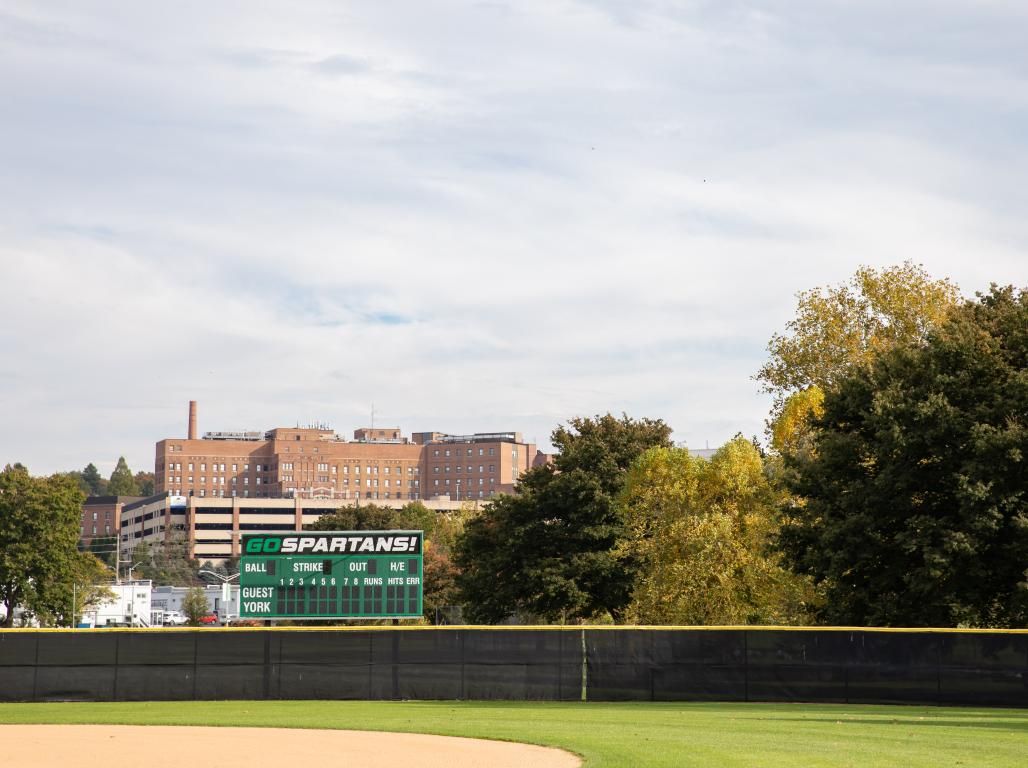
x: 175, y: 619
x: 211, y: 619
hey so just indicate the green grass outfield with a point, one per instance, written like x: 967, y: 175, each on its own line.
x: 626, y: 734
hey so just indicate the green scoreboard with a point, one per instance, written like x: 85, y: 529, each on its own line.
x: 331, y: 575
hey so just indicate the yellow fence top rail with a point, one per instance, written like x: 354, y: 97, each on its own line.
x: 525, y: 628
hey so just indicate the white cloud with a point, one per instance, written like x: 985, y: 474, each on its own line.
x: 478, y: 216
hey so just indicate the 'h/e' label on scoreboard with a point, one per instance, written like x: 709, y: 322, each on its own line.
x: 332, y: 575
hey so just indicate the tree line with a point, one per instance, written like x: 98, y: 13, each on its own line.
x: 893, y: 490
x: 122, y: 481
x: 890, y: 489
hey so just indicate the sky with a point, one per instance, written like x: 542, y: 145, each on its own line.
x: 471, y: 216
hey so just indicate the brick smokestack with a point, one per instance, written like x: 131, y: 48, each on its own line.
x: 192, y: 419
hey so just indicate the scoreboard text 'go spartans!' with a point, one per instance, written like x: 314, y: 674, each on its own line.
x: 332, y: 575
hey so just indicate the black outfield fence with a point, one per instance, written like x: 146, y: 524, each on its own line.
x: 559, y: 664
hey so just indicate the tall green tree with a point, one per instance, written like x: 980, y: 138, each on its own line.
x: 95, y: 484
x: 702, y: 533
x: 548, y: 549
x: 144, y: 482
x: 913, y: 507
x: 122, y: 482
x: 39, y: 533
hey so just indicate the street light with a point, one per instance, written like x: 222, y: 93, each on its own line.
x: 215, y: 574
x: 133, y: 614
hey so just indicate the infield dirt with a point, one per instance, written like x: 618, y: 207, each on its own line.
x: 100, y: 746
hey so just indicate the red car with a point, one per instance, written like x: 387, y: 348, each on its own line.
x: 209, y: 619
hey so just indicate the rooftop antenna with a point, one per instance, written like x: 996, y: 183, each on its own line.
x: 372, y: 414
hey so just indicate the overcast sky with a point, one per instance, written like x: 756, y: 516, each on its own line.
x: 477, y: 216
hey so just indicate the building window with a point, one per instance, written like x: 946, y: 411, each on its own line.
x: 387, y: 470
x: 492, y: 467
x: 447, y: 451
x: 235, y: 467
x: 202, y: 493
x: 287, y: 466
x: 323, y: 467
x: 190, y: 466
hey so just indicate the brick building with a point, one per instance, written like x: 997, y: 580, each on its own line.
x: 101, y: 516
x: 379, y: 464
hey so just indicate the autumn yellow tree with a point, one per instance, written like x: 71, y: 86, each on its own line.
x: 837, y: 328
x: 790, y: 431
x: 700, y: 533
